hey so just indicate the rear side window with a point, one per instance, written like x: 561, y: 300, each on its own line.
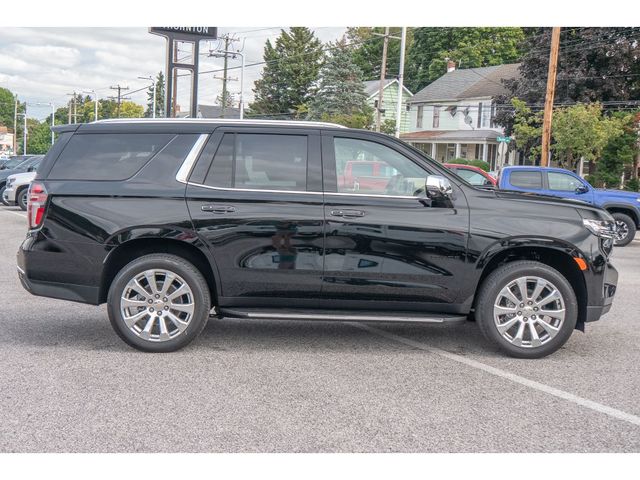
x: 105, y: 156
x: 526, y: 179
x: 260, y: 162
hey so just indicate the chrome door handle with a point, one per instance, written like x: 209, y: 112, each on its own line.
x: 348, y: 213
x: 219, y: 209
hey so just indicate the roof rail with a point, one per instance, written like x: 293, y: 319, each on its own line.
x: 300, y: 123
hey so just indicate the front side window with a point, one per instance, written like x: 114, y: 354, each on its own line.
x: 366, y: 167
x: 260, y: 162
x: 563, y: 182
x: 526, y: 179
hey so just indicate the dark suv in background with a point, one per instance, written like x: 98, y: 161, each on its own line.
x: 169, y: 221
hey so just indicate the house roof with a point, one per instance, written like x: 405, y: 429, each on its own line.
x: 451, y: 136
x: 371, y: 87
x: 215, y: 111
x: 468, y: 83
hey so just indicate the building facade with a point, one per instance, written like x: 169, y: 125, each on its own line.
x: 453, y: 117
x: 389, y: 101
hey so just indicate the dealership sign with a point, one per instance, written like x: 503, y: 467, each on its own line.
x: 199, y: 33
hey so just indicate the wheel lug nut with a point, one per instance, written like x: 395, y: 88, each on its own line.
x: 525, y: 319
x: 151, y: 309
x: 535, y: 309
x: 166, y: 308
x: 521, y: 305
x: 519, y: 313
x: 164, y: 299
x: 157, y: 296
x: 159, y: 313
x: 530, y: 303
x: 150, y: 301
x: 533, y: 317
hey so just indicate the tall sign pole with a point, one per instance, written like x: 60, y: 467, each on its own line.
x: 175, y: 36
x: 548, y: 101
x: 383, y: 74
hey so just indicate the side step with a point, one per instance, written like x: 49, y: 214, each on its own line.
x: 338, y: 315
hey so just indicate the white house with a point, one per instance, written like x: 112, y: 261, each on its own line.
x: 453, y: 116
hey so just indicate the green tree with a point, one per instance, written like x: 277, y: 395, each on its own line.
x: 292, y: 66
x: 340, y: 95
x: 159, y: 97
x: 527, y: 128
x: 7, y: 105
x: 131, y: 110
x: 367, y: 44
x: 581, y: 131
x: 466, y: 46
x: 38, y: 136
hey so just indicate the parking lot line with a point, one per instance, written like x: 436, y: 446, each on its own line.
x: 23, y: 215
x: 598, y: 407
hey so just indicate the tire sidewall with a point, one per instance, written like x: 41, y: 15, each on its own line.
x: 2, y: 188
x: 621, y: 217
x: 191, y: 276
x: 502, y: 277
x: 19, y: 197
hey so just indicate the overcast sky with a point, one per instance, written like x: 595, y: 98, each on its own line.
x: 42, y: 65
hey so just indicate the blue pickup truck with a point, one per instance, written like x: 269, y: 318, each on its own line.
x: 623, y: 206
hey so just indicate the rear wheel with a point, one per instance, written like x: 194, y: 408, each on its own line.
x: 625, y: 229
x: 159, y: 303
x: 527, y: 308
x: 22, y: 196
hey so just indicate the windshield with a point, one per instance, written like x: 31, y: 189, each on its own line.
x: 13, y: 163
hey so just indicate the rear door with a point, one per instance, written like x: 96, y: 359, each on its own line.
x: 526, y: 180
x: 387, y: 244
x: 255, y: 199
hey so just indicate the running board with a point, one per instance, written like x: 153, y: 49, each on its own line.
x: 337, y: 315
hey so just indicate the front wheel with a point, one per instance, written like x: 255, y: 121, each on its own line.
x: 625, y: 229
x: 2, y: 189
x: 159, y: 303
x: 23, y: 197
x: 527, y: 308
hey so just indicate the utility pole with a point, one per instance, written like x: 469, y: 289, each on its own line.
x: 73, y: 105
x: 551, y: 90
x: 119, y: 97
x: 383, y: 74
x: 95, y: 103
x: 403, y: 44
x: 154, y: 84
x: 226, y: 54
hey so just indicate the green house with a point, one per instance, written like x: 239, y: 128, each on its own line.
x: 389, y: 100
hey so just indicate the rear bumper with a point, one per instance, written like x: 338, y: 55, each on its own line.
x: 63, y: 291
x: 609, y: 287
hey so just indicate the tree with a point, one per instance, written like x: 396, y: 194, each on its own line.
x: 229, y: 101
x: 620, y: 151
x: 340, y: 95
x: 38, y: 136
x: 367, y: 44
x: 594, y: 64
x: 7, y: 105
x: 468, y: 47
x: 131, y: 110
x: 580, y: 131
x: 159, y: 82
x: 292, y: 65
x: 527, y: 128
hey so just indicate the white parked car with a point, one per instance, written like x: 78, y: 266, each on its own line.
x: 17, y: 189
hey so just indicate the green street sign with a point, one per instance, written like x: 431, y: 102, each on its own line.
x: 504, y: 139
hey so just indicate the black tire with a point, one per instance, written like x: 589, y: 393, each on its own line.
x: 630, y: 225
x: 22, y: 196
x: 2, y: 188
x: 177, y: 265
x: 501, y: 277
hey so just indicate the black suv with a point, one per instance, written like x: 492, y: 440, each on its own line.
x: 172, y: 221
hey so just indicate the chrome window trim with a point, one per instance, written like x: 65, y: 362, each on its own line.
x: 301, y: 191
x: 187, y: 165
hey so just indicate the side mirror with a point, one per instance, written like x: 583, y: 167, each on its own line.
x: 582, y: 189
x: 438, y: 186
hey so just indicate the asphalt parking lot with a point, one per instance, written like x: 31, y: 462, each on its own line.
x: 68, y: 384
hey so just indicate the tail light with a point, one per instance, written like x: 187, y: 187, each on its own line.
x: 36, y: 204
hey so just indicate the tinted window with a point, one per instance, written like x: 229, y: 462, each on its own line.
x: 563, y: 181
x: 107, y: 156
x: 526, y: 179
x: 369, y: 167
x: 260, y: 162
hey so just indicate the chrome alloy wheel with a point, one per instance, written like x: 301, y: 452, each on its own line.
x: 529, y: 312
x: 157, y: 305
x: 622, y: 230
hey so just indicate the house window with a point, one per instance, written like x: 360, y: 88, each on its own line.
x: 419, y: 117
x: 436, y: 117
x: 486, y: 117
x: 480, y: 115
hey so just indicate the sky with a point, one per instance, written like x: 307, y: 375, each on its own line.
x: 43, y: 65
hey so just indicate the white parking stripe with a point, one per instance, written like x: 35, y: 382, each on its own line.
x: 598, y: 407
x: 23, y: 215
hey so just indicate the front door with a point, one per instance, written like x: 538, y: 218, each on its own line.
x: 383, y: 241
x: 567, y: 185
x: 255, y: 199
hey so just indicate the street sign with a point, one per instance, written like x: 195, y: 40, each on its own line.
x: 191, y: 33
x: 504, y: 139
